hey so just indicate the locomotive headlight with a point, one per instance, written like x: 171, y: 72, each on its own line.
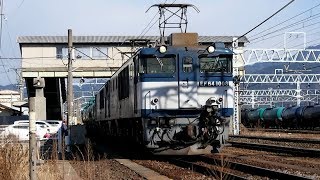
x: 162, y: 49
x: 154, y: 101
x: 210, y: 49
x: 220, y: 99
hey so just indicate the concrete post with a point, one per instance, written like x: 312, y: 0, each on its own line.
x: 32, y: 145
x: 39, y: 101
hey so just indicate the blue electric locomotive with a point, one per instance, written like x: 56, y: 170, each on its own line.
x: 174, y: 99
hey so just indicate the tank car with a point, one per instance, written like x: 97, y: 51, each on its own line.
x: 289, y: 117
x: 252, y: 117
x: 310, y: 117
x: 173, y: 99
x: 272, y: 116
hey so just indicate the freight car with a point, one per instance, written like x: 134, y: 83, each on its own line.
x: 173, y: 99
x: 283, y: 117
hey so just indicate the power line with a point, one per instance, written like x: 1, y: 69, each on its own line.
x: 82, y: 53
x: 1, y: 16
x: 289, y: 26
x: 284, y: 21
x: 103, y: 53
x: 306, y: 43
x: 148, y: 25
x: 282, y: 33
x: 276, y: 45
x: 266, y: 20
x: 20, y: 4
x: 6, y: 73
x: 144, y: 32
x: 10, y: 37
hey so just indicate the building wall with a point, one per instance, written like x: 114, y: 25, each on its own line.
x: 7, y: 97
x: 46, y: 57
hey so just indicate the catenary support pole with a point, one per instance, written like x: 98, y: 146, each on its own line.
x: 69, y: 88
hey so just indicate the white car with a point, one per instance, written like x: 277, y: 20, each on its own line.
x: 51, y: 128
x: 56, y: 124
x: 21, y: 132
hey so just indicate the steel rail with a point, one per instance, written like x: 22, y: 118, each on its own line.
x: 279, y: 139
x: 286, y: 131
x: 249, y: 169
x: 305, y: 152
x: 202, y: 169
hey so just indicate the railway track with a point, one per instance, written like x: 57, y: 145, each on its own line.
x: 317, y: 131
x: 280, y: 139
x: 307, y: 152
x: 228, y: 169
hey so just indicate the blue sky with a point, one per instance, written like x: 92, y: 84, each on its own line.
x: 128, y: 17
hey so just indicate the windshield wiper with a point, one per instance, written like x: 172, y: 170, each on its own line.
x: 160, y: 62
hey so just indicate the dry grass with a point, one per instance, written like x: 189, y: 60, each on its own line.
x: 92, y: 165
x: 14, y: 163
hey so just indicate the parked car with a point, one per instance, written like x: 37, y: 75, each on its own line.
x: 55, y: 123
x: 51, y: 128
x: 21, y: 132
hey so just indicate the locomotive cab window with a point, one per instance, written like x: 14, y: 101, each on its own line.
x: 158, y: 65
x: 216, y: 64
x: 187, y: 64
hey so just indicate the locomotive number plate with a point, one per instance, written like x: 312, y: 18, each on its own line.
x: 213, y: 83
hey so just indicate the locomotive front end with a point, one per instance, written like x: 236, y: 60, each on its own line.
x: 187, y: 98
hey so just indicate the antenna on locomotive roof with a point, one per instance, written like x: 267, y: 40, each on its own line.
x: 173, y: 16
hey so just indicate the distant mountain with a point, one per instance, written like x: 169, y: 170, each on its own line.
x: 12, y: 87
x: 314, y: 47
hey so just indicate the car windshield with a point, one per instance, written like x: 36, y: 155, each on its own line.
x: 53, y: 124
x: 20, y: 127
x: 158, y: 65
x: 216, y: 64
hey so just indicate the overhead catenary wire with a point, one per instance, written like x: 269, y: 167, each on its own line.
x: 148, y: 27
x: 289, y: 26
x: 265, y: 20
x: 306, y: 42
x: 282, y: 33
x: 6, y: 72
x: 314, y: 40
x: 10, y: 38
x: 278, y: 43
x: 285, y: 21
x: 1, y: 20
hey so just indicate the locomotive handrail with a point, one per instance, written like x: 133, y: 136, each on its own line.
x: 145, y: 100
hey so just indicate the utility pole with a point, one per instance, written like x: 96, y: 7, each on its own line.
x: 32, y: 146
x: 21, y: 85
x: 69, y: 88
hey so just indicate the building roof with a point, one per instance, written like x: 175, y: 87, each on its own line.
x: 4, y: 107
x: 9, y: 92
x: 112, y: 39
